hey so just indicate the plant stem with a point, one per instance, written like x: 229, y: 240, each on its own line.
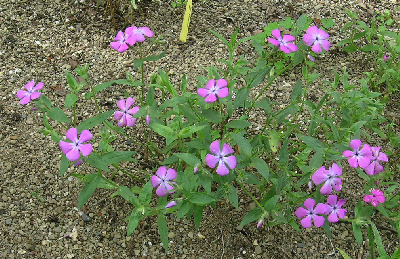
x: 75, y: 114
x: 142, y: 73
x: 371, y: 243
x: 250, y: 195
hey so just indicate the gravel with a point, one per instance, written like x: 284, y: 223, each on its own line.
x: 41, y: 40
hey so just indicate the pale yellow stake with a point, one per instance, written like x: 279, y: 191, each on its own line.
x: 186, y: 21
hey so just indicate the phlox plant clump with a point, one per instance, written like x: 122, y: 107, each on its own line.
x: 200, y: 147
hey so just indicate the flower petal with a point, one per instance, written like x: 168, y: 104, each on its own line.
x: 130, y: 121
x: 21, y: 94
x: 319, y: 221
x: 171, y: 174
x: 85, y: 136
x: 120, y: 36
x: 364, y: 161
x: 86, y: 149
x: 170, y: 204
x: 115, y: 45
x: 222, y: 169
x: 161, y: 172
x: 226, y: 150
x: 121, y: 104
x: 284, y: 49
x: 341, y: 213
x: 146, y: 31
x: 316, y: 48
x: 353, y: 162
x: 370, y: 169
x: 306, y: 222
x: 326, y: 188
x: 308, y: 39
x: 73, y: 154
x: 332, y: 200
x: 214, y: 147
x: 340, y: 203
x: 25, y: 100
x: 203, y: 92
x: 322, y: 34
x: 65, y: 146
x: 301, y: 212
x: 123, y: 47
x: 274, y: 42
x: 129, y: 102
x: 292, y: 47
x: 320, y: 176
x: 383, y: 157
x: 277, y: 34
x: 221, y: 83
x: 223, y: 92
x: 336, y: 169
x: 211, y: 160
x: 333, y: 217
x: 155, y: 181
x: 118, y: 115
x: 230, y: 161
x: 35, y: 95
x: 134, y: 110
x: 210, y: 84
x: 368, y: 198
x: 162, y: 190
x: 72, y: 134
x: 348, y: 153
x: 309, y: 203
x: 38, y: 87
x: 322, y: 208
x: 210, y: 98
x: 325, y: 44
x: 29, y: 85
x: 355, y: 144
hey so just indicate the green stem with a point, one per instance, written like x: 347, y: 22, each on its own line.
x: 250, y: 195
x: 75, y: 114
x: 371, y: 243
x: 142, y: 73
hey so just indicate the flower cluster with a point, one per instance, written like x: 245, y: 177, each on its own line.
x: 314, y: 37
x: 132, y: 35
x: 363, y: 156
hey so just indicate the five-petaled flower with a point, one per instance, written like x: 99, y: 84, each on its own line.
x: 310, y: 214
x: 317, y: 38
x: 285, y: 43
x: 73, y: 150
x: 125, y: 115
x: 336, y: 211
x: 140, y: 32
x: 31, y: 93
x: 123, y: 40
x: 375, y: 167
x: 214, y: 90
x: 376, y: 197
x: 221, y: 158
x: 163, y: 180
x: 330, y: 177
x: 358, y: 157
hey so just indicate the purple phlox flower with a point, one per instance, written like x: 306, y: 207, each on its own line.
x: 310, y: 58
x: 221, y: 158
x: 148, y: 119
x: 285, y: 43
x: 385, y: 58
x: 259, y: 223
x: 310, y: 214
x: 317, y: 38
x: 214, y: 90
x: 330, y: 177
x: 140, y: 32
x: 170, y: 204
x: 123, y: 40
x: 31, y: 93
x: 376, y: 197
x: 336, y: 211
x: 358, y: 157
x: 125, y: 115
x: 73, y: 150
x: 375, y: 167
x: 163, y: 179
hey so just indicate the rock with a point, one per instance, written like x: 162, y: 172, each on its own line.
x: 258, y: 250
x: 171, y: 235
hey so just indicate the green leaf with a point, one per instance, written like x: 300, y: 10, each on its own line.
x: 184, y: 209
x: 251, y: 216
x: 188, y: 131
x: 212, y: 116
x: 298, y: 57
x: 72, y: 83
x: 165, y: 131
x: 343, y: 253
x: 163, y: 230
x: 241, y: 97
x: 145, y: 195
x: 244, y: 145
x: 58, y: 115
x: 378, y: 239
x: 94, y: 121
x: 64, y: 164
x: 327, y: 23
x: 190, y: 159
x: 198, y: 215
x: 105, y: 85
x: 117, y: 156
x: 317, y: 160
x: 297, y: 91
x: 201, y: 198
x: 357, y: 233
x: 274, y: 140
x: 261, y: 167
x: 97, y: 162
x: 127, y: 194
x: 166, y: 83
x: 313, y: 143
x: 134, y: 220
x: 88, y: 190
x: 265, y: 105
x: 70, y: 100
x: 369, y: 48
x: 220, y: 37
x: 271, y: 26
x: 284, y: 153
x: 232, y: 196
x: 139, y: 62
x: 302, y: 22
x: 254, y: 78
x: 238, y: 124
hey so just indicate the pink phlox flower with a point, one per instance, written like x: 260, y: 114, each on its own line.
x: 375, y: 167
x: 31, y: 93
x: 317, y: 38
x: 170, y: 204
x: 259, y: 223
x: 376, y: 197
x: 330, y: 177
x: 285, y: 43
x: 148, y: 119
x: 140, y: 32
x: 336, y: 211
x: 123, y: 40
x: 214, y: 90
x: 163, y: 180
x: 73, y: 150
x: 310, y: 214
x: 358, y: 157
x: 125, y: 115
x: 220, y: 157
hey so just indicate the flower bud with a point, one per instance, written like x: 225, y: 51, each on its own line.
x: 148, y: 119
x: 259, y: 224
x: 170, y: 204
